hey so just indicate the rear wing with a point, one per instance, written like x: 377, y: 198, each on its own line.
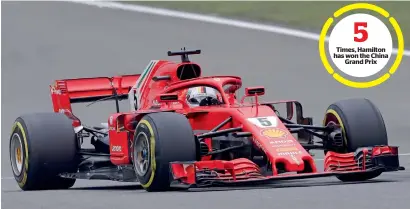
x: 69, y: 91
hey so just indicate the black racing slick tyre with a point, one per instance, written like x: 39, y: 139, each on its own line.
x: 161, y: 138
x: 362, y: 126
x: 43, y: 145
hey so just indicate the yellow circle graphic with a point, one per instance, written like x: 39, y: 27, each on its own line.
x: 400, y: 48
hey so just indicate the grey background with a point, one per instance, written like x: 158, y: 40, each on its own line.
x: 45, y: 41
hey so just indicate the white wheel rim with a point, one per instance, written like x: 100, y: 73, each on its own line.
x: 16, y: 153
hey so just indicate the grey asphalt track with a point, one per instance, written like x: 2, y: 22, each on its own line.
x: 50, y: 40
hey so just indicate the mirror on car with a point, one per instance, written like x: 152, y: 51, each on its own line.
x: 167, y: 98
x: 252, y: 91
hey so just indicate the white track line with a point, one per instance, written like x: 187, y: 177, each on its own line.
x: 209, y: 19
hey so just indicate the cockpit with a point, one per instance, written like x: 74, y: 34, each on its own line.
x: 203, y: 96
x: 206, y: 91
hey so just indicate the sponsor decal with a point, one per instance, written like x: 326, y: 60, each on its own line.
x: 116, y: 149
x: 155, y: 102
x: 287, y: 149
x: 64, y: 111
x: 284, y: 141
x: 54, y: 88
x: 274, y: 133
x: 295, y: 159
x: 264, y: 122
x: 111, y: 128
x: 282, y: 145
x: 111, y: 119
x: 55, y: 91
x: 289, y: 153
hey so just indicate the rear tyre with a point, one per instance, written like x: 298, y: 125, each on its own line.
x: 161, y: 138
x: 43, y: 145
x: 362, y: 126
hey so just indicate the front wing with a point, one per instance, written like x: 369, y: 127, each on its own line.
x: 242, y: 171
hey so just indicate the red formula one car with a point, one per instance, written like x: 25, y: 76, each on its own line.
x: 184, y: 130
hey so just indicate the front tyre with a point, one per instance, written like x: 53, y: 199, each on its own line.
x: 362, y: 126
x: 161, y: 138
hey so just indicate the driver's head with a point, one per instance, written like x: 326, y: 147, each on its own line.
x: 197, y: 94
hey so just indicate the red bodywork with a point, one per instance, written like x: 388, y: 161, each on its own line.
x: 279, y: 145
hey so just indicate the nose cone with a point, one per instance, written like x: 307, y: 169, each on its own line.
x: 284, y: 149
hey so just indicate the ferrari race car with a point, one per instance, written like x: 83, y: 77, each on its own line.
x: 171, y: 139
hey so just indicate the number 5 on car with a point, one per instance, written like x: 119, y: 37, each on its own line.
x: 264, y: 122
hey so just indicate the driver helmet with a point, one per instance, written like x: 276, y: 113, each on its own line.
x: 196, y: 94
